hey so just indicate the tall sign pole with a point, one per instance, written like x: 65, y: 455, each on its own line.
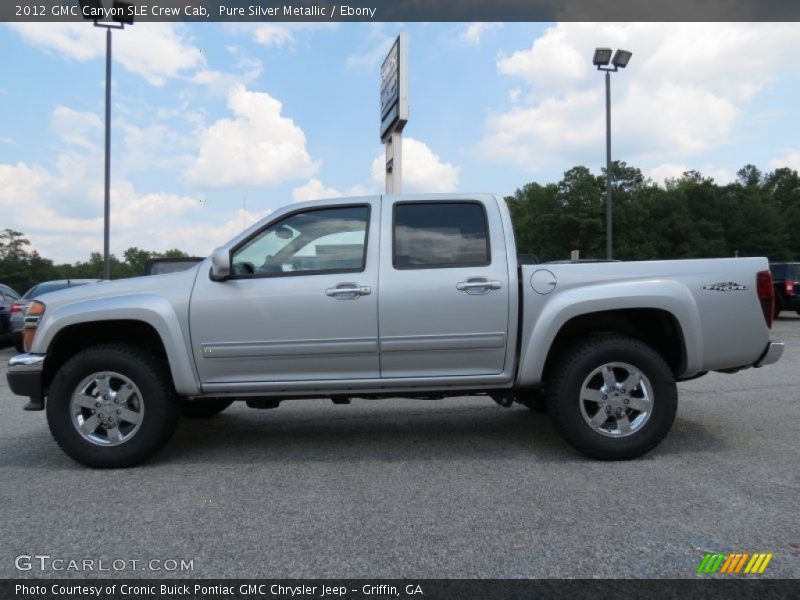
x: 394, y: 111
x: 107, y: 184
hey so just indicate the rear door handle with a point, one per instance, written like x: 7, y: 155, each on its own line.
x: 348, y: 291
x: 478, y: 285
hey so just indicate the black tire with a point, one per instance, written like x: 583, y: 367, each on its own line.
x: 161, y: 409
x: 578, y: 363
x: 19, y: 346
x: 776, y: 312
x: 203, y: 408
x: 535, y: 400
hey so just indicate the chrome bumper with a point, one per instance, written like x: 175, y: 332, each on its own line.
x: 26, y: 362
x: 772, y: 354
x: 25, y: 378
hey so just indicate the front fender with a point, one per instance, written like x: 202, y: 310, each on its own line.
x: 549, y: 314
x: 152, y: 309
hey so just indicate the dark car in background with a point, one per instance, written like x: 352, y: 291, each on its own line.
x: 7, y: 297
x: 18, y: 308
x: 786, y: 280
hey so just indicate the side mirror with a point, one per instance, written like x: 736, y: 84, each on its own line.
x: 220, y: 264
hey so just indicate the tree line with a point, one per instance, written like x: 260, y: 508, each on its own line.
x: 21, y: 268
x: 689, y: 217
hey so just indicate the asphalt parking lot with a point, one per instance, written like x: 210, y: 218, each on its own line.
x: 401, y: 488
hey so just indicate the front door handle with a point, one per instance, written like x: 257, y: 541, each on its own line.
x: 478, y: 285
x: 348, y: 291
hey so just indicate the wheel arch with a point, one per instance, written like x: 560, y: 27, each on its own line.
x: 655, y: 327
x: 665, y: 318
x: 148, y: 322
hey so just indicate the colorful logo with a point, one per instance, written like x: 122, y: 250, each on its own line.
x: 734, y: 562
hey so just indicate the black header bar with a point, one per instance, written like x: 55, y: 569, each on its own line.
x: 413, y: 10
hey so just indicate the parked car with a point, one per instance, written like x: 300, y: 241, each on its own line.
x: 416, y: 296
x: 7, y: 297
x: 786, y: 279
x: 19, y: 307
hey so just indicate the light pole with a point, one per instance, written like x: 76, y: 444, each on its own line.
x: 122, y: 14
x: 602, y: 57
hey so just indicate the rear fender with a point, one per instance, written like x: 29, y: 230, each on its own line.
x: 669, y: 296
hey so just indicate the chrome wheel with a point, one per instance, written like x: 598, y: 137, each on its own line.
x: 616, y: 400
x: 107, y: 408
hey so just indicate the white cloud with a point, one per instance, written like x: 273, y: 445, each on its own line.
x: 790, y: 158
x: 553, y: 60
x: 63, y: 214
x: 273, y: 34
x: 259, y: 146
x: 156, y: 221
x: 377, y: 47
x: 423, y: 170
x: 156, y: 51
x: 473, y: 32
x: 75, y: 127
x: 314, y: 190
x: 682, y: 93
x: 202, y: 237
x: 665, y: 171
x: 152, y: 146
x: 221, y: 83
x: 279, y: 35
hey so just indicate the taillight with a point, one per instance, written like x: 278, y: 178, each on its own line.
x: 15, y: 308
x: 766, y: 295
x: 788, y: 287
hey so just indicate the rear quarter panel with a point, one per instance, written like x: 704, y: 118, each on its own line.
x: 722, y: 326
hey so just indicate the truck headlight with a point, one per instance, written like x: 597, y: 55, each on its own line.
x: 32, y: 317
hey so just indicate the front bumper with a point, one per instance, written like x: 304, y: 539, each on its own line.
x: 772, y: 354
x: 25, y: 378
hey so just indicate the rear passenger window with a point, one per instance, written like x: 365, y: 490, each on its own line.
x: 440, y: 234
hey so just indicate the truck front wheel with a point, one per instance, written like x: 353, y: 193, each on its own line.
x: 112, y: 406
x: 612, y: 398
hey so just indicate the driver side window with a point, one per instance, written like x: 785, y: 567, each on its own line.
x: 323, y: 240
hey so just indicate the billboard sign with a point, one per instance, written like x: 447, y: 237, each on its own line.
x: 394, y: 88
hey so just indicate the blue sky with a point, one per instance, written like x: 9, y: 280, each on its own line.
x: 206, y: 115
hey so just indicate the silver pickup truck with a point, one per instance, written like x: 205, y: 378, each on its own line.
x: 417, y: 296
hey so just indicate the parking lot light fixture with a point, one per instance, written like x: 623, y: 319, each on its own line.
x: 621, y: 58
x: 121, y: 15
x: 602, y: 56
x: 601, y: 59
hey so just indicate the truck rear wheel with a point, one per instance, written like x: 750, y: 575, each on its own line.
x: 112, y: 406
x: 613, y: 398
x: 203, y: 408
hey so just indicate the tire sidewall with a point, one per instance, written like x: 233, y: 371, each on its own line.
x: 158, y: 411
x: 567, y: 400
